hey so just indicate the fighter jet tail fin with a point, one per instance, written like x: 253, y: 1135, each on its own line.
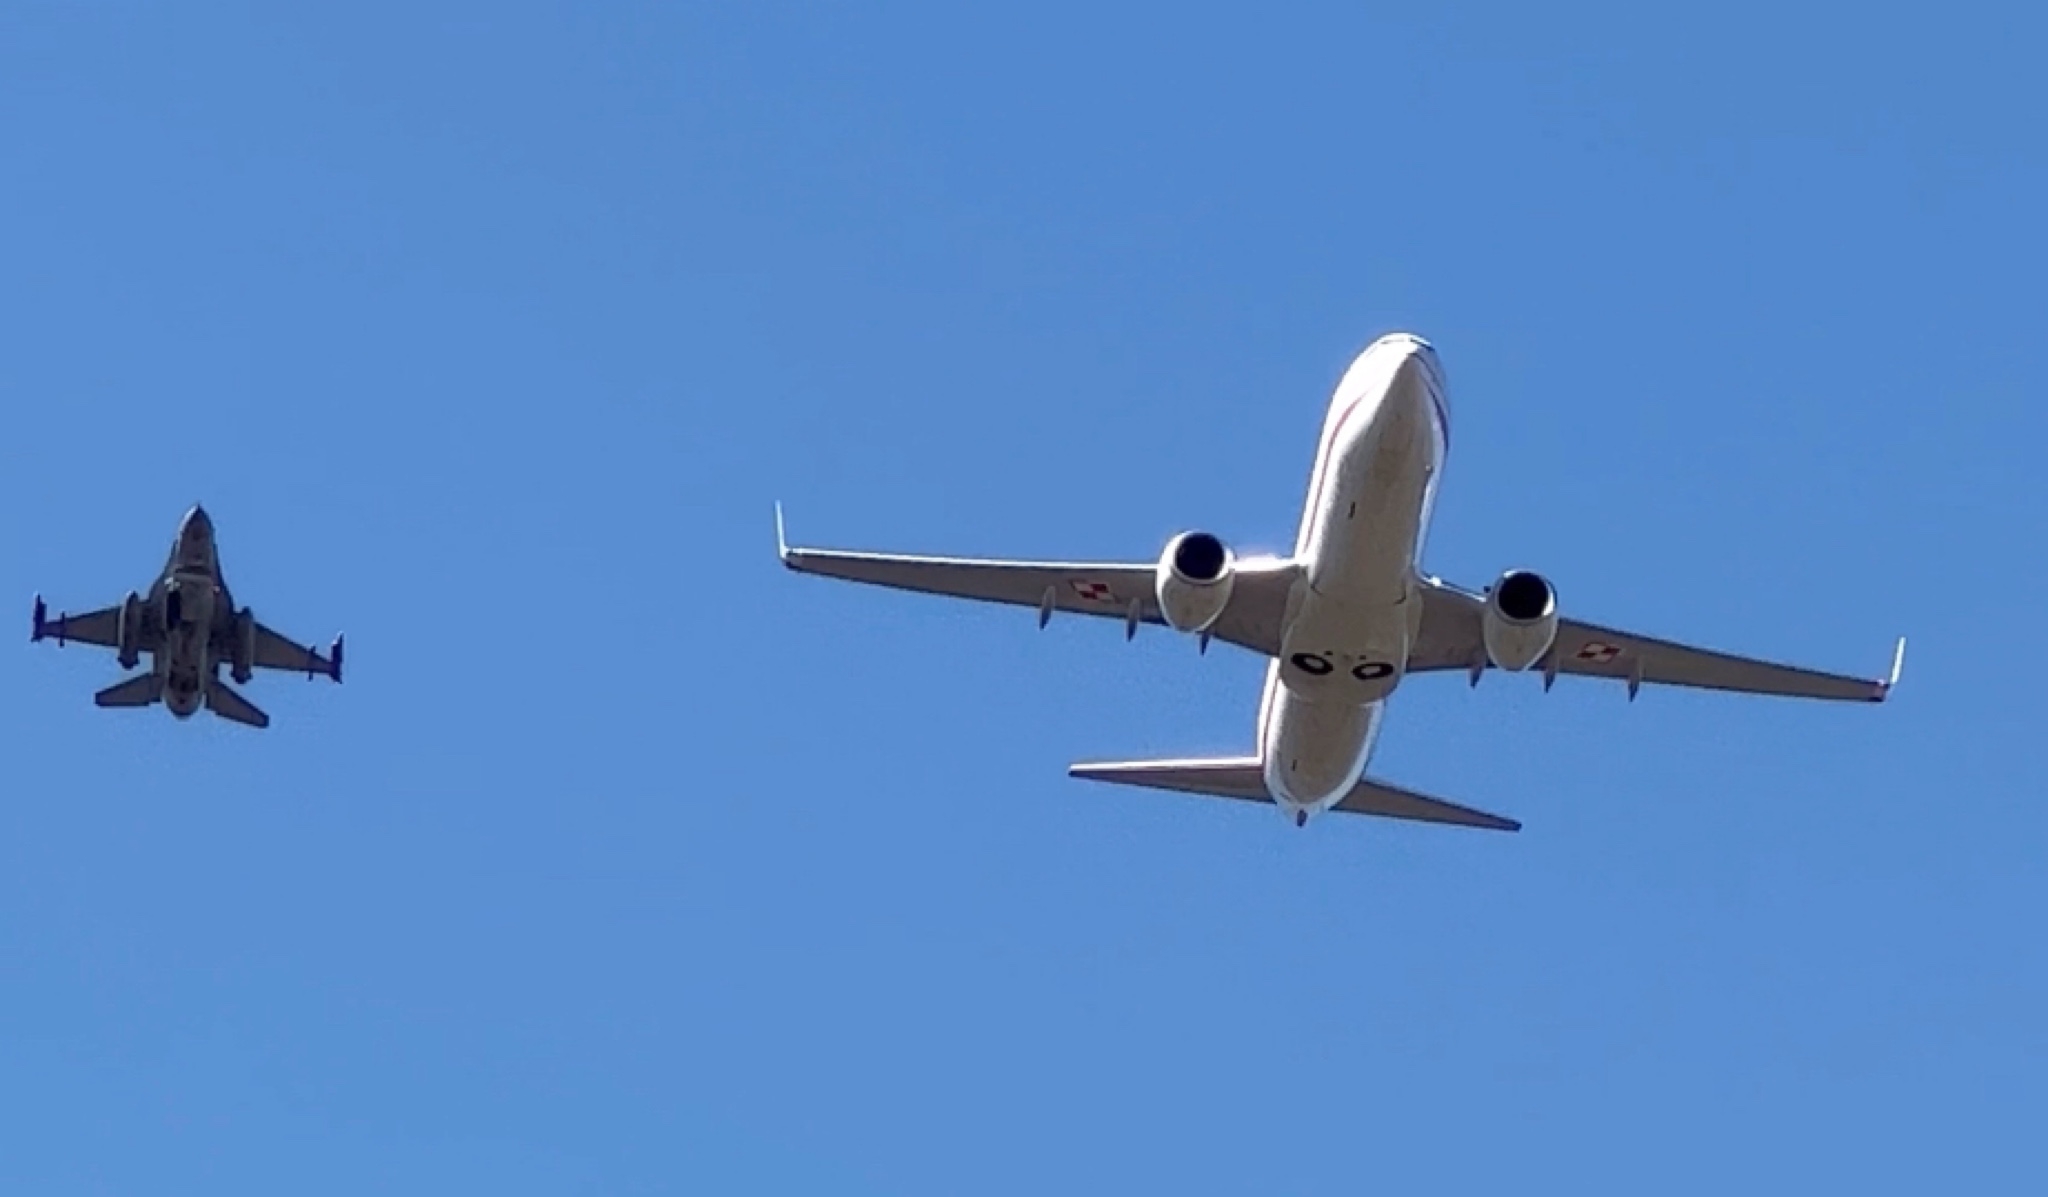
x: 138, y: 691
x: 224, y: 701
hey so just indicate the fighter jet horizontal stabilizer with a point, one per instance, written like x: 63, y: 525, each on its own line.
x: 222, y: 700
x: 139, y: 691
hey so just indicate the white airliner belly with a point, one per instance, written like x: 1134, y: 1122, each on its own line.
x: 1346, y: 642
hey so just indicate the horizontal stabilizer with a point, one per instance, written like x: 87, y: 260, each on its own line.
x: 1243, y: 778
x: 225, y: 701
x: 138, y: 691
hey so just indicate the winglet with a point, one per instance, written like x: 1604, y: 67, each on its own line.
x: 42, y: 616
x: 781, y: 536
x: 1884, y: 688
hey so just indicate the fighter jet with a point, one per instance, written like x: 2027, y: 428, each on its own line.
x: 189, y: 626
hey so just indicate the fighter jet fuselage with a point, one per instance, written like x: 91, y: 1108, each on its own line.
x: 188, y: 626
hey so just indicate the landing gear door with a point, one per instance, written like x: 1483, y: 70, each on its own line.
x: 1333, y: 656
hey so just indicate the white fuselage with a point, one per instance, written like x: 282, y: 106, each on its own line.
x: 1354, y: 613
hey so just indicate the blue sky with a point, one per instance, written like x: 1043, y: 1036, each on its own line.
x: 625, y: 862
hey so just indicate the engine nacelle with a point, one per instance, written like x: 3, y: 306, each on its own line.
x: 128, y: 632
x: 1195, y: 577
x: 243, y: 666
x: 1520, y: 621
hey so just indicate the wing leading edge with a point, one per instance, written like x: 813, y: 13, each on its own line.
x: 1451, y: 638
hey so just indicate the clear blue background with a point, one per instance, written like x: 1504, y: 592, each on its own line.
x: 626, y: 862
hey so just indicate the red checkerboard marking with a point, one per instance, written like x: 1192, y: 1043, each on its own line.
x: 1094, y: 592
x: 1598, y: 652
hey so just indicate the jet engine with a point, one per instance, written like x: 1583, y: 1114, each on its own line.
x: 243, y: 665
x: 128, y: 632
x: 1194, y: 580
x: 1520, y: 620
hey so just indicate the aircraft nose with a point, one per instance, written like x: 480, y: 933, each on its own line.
x: 197, y: 524
x: 1419, y: 363
x: 1416, y: 349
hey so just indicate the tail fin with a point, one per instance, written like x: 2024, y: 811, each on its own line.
x: 224, y: 701
x: 1243, y: 778
x: 138, y: 691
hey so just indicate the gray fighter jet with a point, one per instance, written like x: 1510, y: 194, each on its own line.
x: 189, y: 626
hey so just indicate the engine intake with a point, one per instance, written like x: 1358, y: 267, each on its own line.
x: 1520, y: 621
x: 1196, y: 575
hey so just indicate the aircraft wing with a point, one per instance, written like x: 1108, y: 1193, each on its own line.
x: 275, y: 651
x: 102, y: 627
x: 1254, y: 619
x: 1450, y: 638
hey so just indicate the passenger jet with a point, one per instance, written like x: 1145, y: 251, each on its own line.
x: 1347, y: 617
x: 189, y: 627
